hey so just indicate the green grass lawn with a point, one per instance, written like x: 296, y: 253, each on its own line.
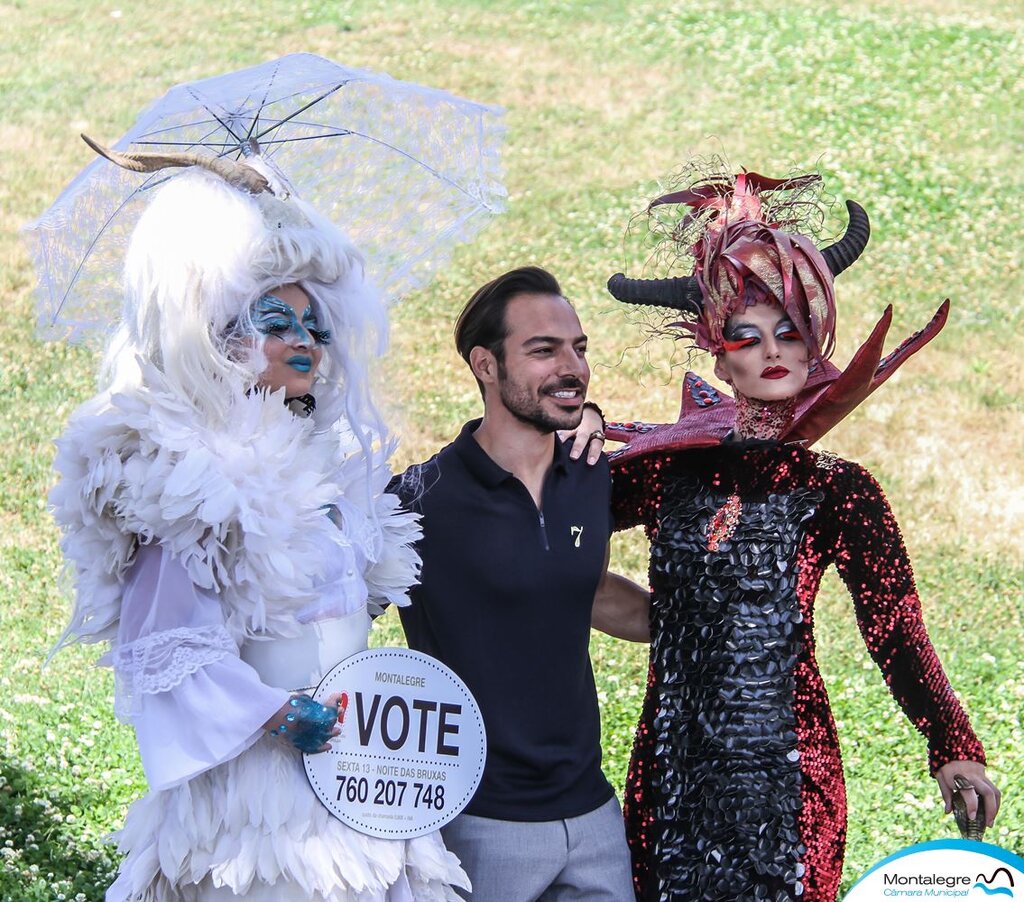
x: 912, y: 107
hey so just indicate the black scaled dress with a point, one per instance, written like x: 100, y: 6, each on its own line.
x: 735, y: 788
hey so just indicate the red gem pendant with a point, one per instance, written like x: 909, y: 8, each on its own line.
x: 723, y: 523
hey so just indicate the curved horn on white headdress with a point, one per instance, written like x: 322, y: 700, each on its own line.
x: 239, y: 175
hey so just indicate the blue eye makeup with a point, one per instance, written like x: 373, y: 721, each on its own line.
x: 274, y: 318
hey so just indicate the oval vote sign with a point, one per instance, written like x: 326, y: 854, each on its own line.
x: 412, y: 745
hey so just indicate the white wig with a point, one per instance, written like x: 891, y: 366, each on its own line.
x: 201, y: 254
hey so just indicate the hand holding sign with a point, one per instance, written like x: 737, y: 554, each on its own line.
x: 411, y: 748
x: 305, y: 723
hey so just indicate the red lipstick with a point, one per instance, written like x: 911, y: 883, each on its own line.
x: 774, y: 372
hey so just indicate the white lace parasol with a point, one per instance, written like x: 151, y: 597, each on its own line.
x: 406, y: 171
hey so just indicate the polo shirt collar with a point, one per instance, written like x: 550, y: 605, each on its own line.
x: 484, y: 468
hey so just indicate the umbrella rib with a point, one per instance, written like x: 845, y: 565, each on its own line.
x: 177, y: 127
x: 398, y: 150
x: 200, y: 142
x: 99, y: 234
x: 225, y: 149
x: 341, y: 134
x: 263, y: 103
x: 255, y: 122
x: 232, y: 146
x: 224, y: 125
x: 302, y: 109
x: 408, y: 156
x: 180, y: 125
x: 277, y: 123
x: 188, y: 143
x: 300, y: 122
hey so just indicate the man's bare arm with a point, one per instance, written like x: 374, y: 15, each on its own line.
x: 621, y: 608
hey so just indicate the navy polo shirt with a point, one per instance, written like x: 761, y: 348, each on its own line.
x: 505, y: 600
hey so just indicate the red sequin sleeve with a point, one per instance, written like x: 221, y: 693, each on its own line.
x: 873, y: 562
x: 636, y: 491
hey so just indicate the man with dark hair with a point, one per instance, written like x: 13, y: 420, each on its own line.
x: 482, y: 321
x: 515, y: 554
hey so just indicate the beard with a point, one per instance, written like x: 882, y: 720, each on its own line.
x: 528, y: 407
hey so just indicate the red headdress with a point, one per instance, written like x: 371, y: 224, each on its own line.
x: 745, y: 251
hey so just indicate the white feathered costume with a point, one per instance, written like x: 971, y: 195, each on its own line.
x: 193, y: 514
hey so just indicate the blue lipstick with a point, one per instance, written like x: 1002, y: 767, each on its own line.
x: 300, y: 363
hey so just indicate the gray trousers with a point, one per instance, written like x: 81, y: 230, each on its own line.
x: 578, y: 858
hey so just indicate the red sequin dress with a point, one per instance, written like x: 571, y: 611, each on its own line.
x: 735, y: 788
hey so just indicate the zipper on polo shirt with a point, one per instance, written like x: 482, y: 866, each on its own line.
x: 543, y: 530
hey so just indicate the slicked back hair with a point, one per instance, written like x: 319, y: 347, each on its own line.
x: 482, y: 321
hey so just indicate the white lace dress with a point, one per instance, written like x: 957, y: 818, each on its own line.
x: 208, y: 563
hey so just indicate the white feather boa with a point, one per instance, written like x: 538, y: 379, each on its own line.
x: 254, y: 823
x: 243, y: 510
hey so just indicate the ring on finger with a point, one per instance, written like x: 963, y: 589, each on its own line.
x: 960, y: 783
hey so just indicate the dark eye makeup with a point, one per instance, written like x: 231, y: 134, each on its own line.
x: 740, y: 343
x: 745, y: 335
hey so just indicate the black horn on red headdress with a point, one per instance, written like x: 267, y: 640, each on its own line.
x: 846, y: 250
x: 683, y: 293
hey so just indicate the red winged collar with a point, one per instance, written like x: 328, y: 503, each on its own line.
x: 707, y: 415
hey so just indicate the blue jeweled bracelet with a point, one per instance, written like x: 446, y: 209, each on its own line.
x: 308, y: 724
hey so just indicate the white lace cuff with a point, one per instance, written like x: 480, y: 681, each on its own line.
x: 161, y: 661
